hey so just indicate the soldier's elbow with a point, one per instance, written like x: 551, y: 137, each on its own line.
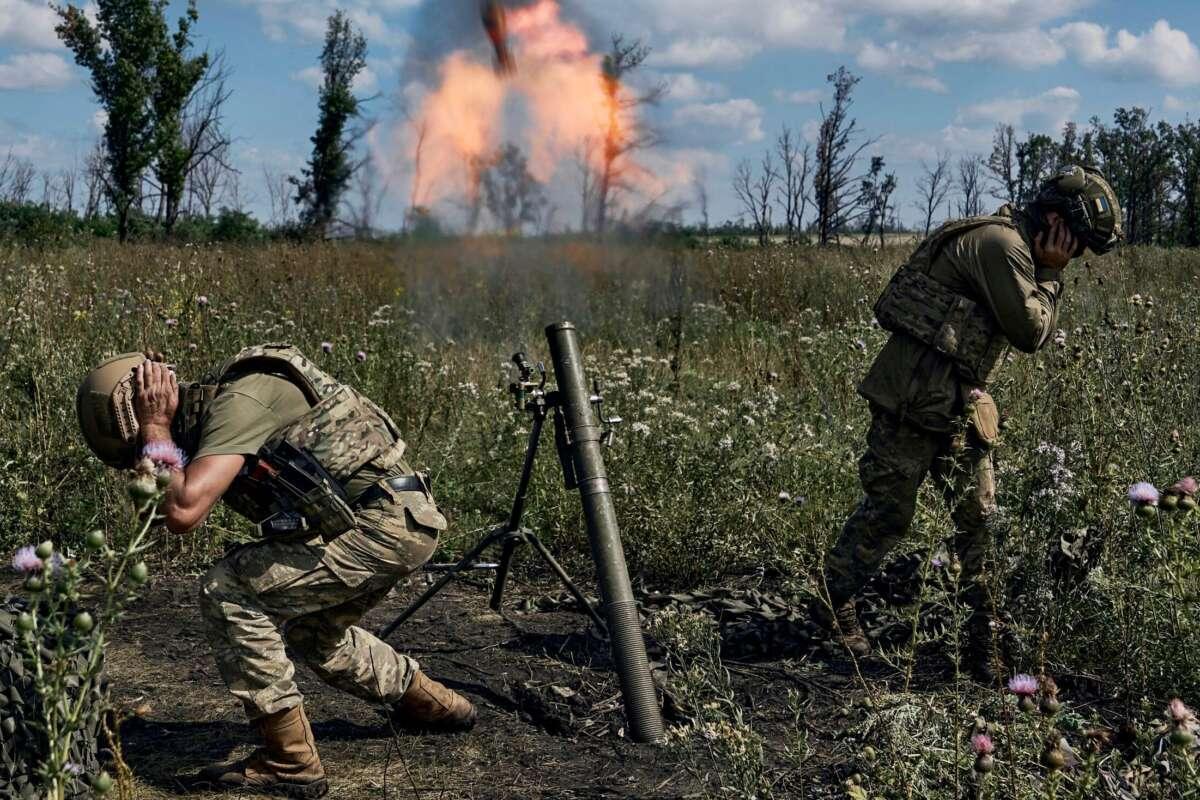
x: 183, y: 520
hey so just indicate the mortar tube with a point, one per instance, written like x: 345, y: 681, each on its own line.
x: 642, y: 711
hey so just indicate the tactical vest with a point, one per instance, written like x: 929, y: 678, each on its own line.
x: 297, y: 480
x: 916, y: 304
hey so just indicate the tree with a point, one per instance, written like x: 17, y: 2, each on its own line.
x: 793, y: 182
x: 1137, y: 159
x: 933, y: 186
x: 700, y: 189
x: 206, y: 145
x: 1187, y: 182
x: 755, y: 194
x: 1002, y: 163
x: 1036, y: 163
x: 177, y: 74
x: 970, y: 184
x: 838, y: 150
x: 121, y: 51
x: 330, y: 167
x: 279, y: 196
x: 620, y: 138
x: 875, y: 194
x: 514, y: 198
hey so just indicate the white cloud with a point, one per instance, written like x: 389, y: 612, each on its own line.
x: 43, y: 71
x: 705, y: 51
x: 733, y: 121
x: 1162, y: 53
x: 993, y: 14
x: 799, y: 97
x: 366, y: 82
x: 28, y: 23
x: 685, y: 87
x: 1027, y: 48
x: 305, y: 20
x: 1046, y: 112
x: 99, y: 120
x: 902, y: 63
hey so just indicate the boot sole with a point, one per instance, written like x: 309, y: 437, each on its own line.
x: 305, y: 791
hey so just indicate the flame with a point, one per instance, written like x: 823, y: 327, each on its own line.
x: 558, y: 107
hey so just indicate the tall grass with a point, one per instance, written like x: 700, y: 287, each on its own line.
x: 735, y: 372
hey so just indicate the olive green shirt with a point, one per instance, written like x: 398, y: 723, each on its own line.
x: 246, y: 412
x: 992, y: 265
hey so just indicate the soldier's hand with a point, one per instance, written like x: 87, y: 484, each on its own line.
x: 157, y: 395
x: 1055, y: 246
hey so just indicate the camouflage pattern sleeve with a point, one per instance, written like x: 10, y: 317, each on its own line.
x: 1023, y: 299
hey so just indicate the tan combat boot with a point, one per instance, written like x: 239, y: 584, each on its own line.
x: 286, y: 764
x: 430, y: 706
x: 843, y: 624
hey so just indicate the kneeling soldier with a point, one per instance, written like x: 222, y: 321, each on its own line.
x: 321, y: 470
x: 973, y: 288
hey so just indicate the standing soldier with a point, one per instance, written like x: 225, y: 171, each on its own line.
x: 321, y: 470
x: 972, y: 289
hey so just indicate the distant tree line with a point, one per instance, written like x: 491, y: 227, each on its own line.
x: 1153, y: 167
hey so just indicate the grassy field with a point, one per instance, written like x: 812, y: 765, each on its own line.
x: 735, y: 373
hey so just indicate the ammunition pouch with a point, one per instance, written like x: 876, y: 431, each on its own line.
x: 919, y: 306
x: 287, y: 492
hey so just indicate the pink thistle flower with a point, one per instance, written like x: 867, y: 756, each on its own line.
x: 981, y: 743
x: 165, y: 454
x: 171, y: 323
x: 1180, y: 714
x: 1023, y: 685
x: 361, y: 356
x: 202, y: 300
x: 1186, y: 487
x: 26, y: 561
x: 326, y: 347
x: 1143, y: 494
x: 975, y: 395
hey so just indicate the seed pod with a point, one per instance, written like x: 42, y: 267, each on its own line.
x: 1148, y: 511
x: 1026, y: 704
x: 984, y: 763
x: 26, y: 623
x: 1051, y: 706
x: 1053, y: 759
x: 94, y: 540
x: 162, y: 478
x: 84, y: 622
x: 102, y: 783
x: 45, y: 550
x: 34, y: 584
x: 139, y: 573
x: 1169, y: 502
x: 1182, y: 737
x: 142, y: 487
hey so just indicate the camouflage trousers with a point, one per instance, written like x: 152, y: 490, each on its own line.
x: 898, y: 459
x: 273, y: 596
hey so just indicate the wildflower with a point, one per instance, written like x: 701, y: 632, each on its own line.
x: 937, y: 562
x: 360, y: 356
x: 327, y: 347
x: 981, y: 743
x: 1024, y: 687
x: 26, y: 561
x: 171, y: 323
x: 1179, y: 713
x: 71, y: 768
x: 642, y: 428
x: 726, y: 443
x: 1050, y: 704
x: 202, y: 300
x: 1054, y: 757
x: 785, y: 497
x: 1143, y: 494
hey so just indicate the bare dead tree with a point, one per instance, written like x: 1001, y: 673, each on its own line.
x: 619, y: 137
x: 19, y: 175
x: 755, y: 194
x: 414, y: 195
x: 368, y: 195
x: 206, y: 144
x: 838, y: 149
x: 279, y: 196
x: 68, y: 178
x: 1002, y: 163
x: 795, y: 166
x: 95, y: 180
x: 700, y: 190
x: 875, y: 195
x: 970, y: 185
x: 587, y: 183
x: 49, y: 190
x: 932, y: 188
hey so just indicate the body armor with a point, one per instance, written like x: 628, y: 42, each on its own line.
x: 916, y: 304
x: 296, y: 483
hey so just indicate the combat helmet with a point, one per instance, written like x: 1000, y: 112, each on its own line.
x: 1083, y: 196
x: 104, y: 404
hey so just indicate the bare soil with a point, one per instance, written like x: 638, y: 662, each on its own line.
x: 551, y: 724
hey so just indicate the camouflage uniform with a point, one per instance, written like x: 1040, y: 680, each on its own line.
x: 930, y: 419
x: 307, y: 593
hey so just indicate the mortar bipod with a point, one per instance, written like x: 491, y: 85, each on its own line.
x: 530, y: 395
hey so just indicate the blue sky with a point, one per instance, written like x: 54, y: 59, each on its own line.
x: 937, y: 75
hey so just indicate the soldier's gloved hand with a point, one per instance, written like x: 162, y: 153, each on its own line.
x: 157, y: 395
x: 1055, y: 246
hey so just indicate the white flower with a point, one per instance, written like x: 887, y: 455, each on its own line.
x: 726, y: 443
x: 641, y: 427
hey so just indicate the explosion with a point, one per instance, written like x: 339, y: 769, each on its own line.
x: 548, y: 93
